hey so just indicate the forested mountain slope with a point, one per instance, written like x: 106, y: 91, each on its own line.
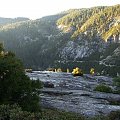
x: 88, y: 37
x: 100, y: 21
x: 4, y: 21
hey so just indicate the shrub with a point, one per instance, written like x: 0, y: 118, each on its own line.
x: 14, y: 112
x: 103, y: 88
x: 116, y: 82
x: 114, y: 115
x: 54, y: 114
x: 99, y: 117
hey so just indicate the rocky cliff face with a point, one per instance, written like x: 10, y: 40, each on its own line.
x: 113, y: 59
x: 81, y: 48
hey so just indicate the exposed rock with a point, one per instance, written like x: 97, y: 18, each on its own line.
x: 76, y: 94
x: 48, y: 84
x: 87, y: 103
x: 113, y: 59
x: 74, y: 50
x: 55, y: 92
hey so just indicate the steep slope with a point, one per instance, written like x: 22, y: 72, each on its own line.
x: 98, y: 21
x: 113, y: 59
x: 79, y: 37
x: 98, y: 33
x: 33, y: 41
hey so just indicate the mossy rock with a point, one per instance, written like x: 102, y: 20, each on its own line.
x: 103, y: 88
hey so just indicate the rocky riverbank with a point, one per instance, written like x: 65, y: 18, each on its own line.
x: 76, y: 94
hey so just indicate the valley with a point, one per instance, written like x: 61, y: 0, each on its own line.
x: 91, y: 34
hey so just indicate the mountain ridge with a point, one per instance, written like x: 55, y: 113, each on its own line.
x: 57, y: 40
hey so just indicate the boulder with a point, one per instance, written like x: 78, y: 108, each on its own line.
x: 48, y: 84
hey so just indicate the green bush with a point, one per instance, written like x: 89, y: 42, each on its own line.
x: 15, y: 86
x: 100, y: 117
x: 103, y: 88
x: 117, y: 81
x: 114, y: 115
x: 14, y: 112
x: 54, y: 114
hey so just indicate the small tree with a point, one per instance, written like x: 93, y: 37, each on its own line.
x: 15, y: 86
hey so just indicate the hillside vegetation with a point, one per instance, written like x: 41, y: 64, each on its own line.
x: 100, y: 21
x: 77, y: 37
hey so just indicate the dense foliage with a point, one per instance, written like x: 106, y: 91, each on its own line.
x: 14, y: 112
x: 100, y: 21
x: 15, y: 86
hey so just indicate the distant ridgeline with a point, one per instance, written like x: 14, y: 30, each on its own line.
x: 103, y: 22
x: 85, y: 38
